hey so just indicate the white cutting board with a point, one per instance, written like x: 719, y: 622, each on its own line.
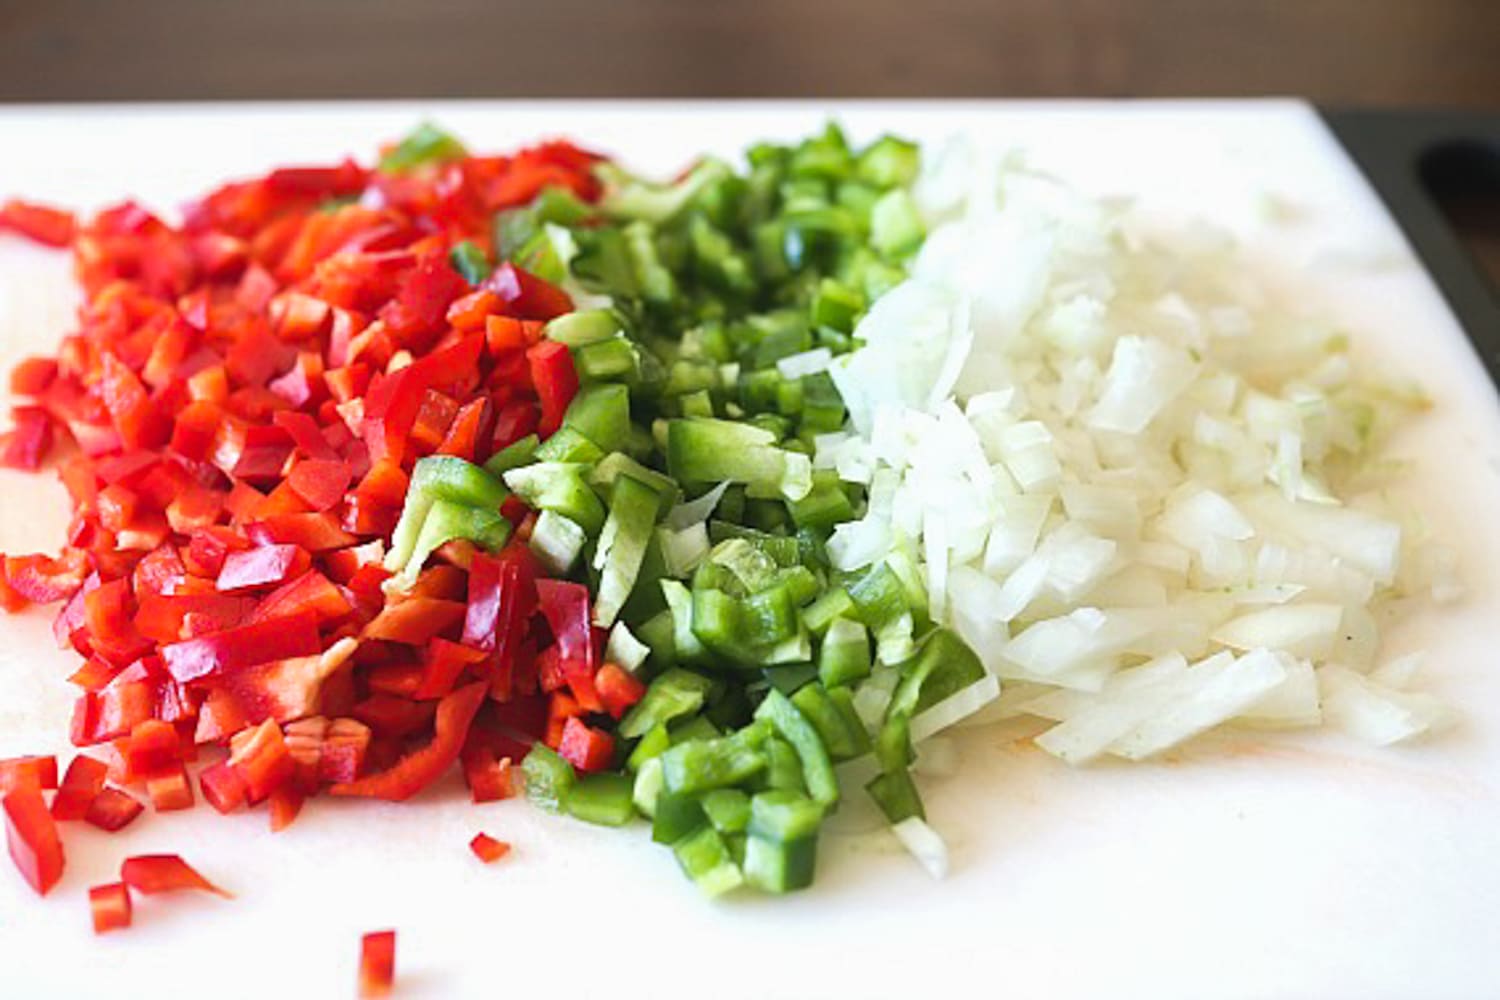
x: 1250, y: 866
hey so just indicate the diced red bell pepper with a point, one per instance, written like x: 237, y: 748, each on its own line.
x: 415, y: 621
x: 153, y: 747
x: 489, y: 780
x: 320, y: 483
x: 314, y: 531
x: 222, y: 787
x: 312, y: 591
x: 31, y: 836
x: 27, y: 443
x: 556, y: 382
x: 288, y: 689
x: 618, y: 689
x: 488, y: 849
x: 43, y: 224
x: 81, y: 784
x: 36, y: 773
x: 170, y: 790
x: 525, y: 295
x: 342, y: 755
x: 420, y: 768
x: 585, y: 747
x: 42, y: 580
x: 442, y: 665
x: 263, y: 566
x: 262, y: 761
x: 377, y: 964
x: 151, y: 874
x: 109, y: 907
x: 306, y: 435
x: 246, y: 646
x: 285, y: 804
x: 32, y: 376
x: 112, y: 810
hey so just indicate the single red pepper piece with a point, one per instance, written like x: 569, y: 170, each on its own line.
x: 109, y: 906
x: 315, y: 531
x: 170, y: 790
x: 342, y: 754
x: 556, y: 382
x: 24, y: 446
x: 245, y: 646
x: 525, y: 295
x: 377, y: 963
x: 415, y: 621
x: 36, y: 773
x: 420, y: 768
x: 112, y: 810
x: 442, y: 666
x: 618, y: 689
x: 286, y: 804
x: 81, y: 784
x: 222, y: 787
x: 488, y: 849
x: 43, y: 224
x: 151, y: 874
x: 585, y: 747
x: 32, y: 376
x: 263, y: 566
x: 31, y: 837
x: 489, y: 780
x: 262, y: 760
x: 320, y: 483
x: 153, y: 746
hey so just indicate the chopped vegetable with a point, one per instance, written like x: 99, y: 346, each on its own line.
x: 31, y: 838
x: 488, y: 849
x: 109, y: 906
x: 377, y: 963
x: 156, y: 873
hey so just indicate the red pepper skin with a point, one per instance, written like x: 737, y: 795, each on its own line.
x: 112, y: 810
x: 526, y: 296
x: 109, y: 907
x: 262, y: 761
x: 36, y: 773
x: 170, y: 790
x: 222, y: 787
x: 420, y: 768
x: 341, y: 756
x: 320, y: 483
x: 488, y: 849
x: 27, y: 444
x: 42, y: 224
x: 81, y: 784
x: 377, y: 964
x: 151, y: 874
x: 245, y: 646
x: 444, y: 663
x: 585, y: 747
x: 556, y: 382
x: 618, y: 689
x: 488, y: 779
x: 566, y: 607
x: 263, y: 566
x: 31, y: 837
x: 415, y: 621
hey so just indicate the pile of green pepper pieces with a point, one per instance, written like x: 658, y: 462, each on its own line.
x: 681, y: 489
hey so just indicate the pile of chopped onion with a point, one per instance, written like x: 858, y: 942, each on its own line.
x: 1141, y: 490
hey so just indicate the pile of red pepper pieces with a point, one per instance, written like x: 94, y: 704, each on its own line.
x: 236, y: 419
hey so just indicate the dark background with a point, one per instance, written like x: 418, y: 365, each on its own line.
x: 1382, y: 53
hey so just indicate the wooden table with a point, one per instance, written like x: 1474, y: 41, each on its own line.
x: 1368, y: 52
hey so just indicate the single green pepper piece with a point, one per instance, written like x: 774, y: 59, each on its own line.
x: 674, y: 694
x: 832, y: 605
x: 586, y: 326
x: 709, y: 451
x: 447, y: 521
x: 728, y: 809
x: 896, y: 795
x: 817, y: 768
x: 676, y: 816
x: 845, y: 654
x: 633, y: 507
x: 836, y: 305
x: 557, y: 542
x: 549, y: 778
x: 706, y: 859
x: 627, y: 197
x: 782, y: 815
x: 817, y: 708
x: 424, y: 144
x: 559, y: 486
x: 790, y: 677
x: 780, y: 865
x: 783, y: 767
x: 605, y: 799
x: 699, y: 727
x: 657, y: 286
x: 701, y: 765
x: 878, y: 596
x: 648, y: 786
x: 686, y: 646
x: 889, y: 162
x: 617, y: 464
x: 843, y: 701
x: 781, y: 549
x: 569, y: 444
x: 653, y: 744
x: 470, y: 261
x: 601, y: 413
x: 895, y: 225
x: 513, y: 456
x: 942, y: 666
x: 434, y: 478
